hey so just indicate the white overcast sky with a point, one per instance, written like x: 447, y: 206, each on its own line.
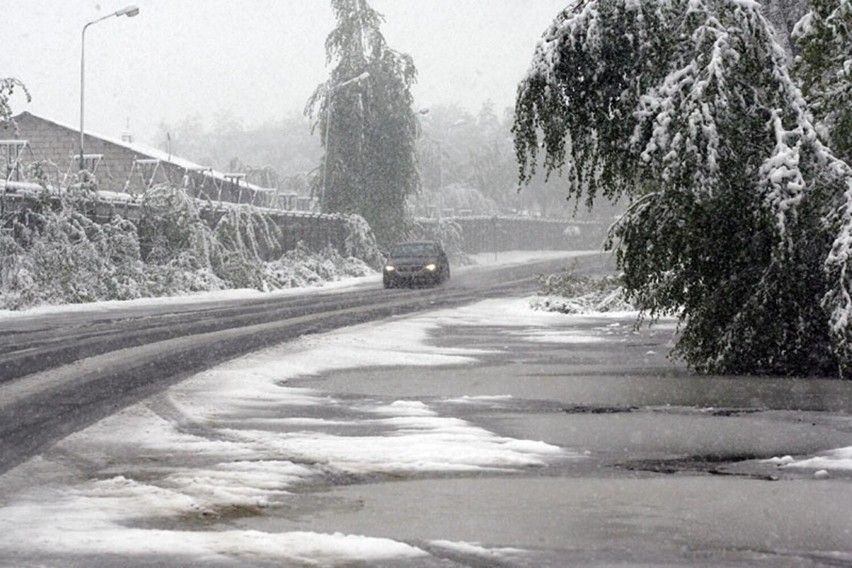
x: 257, y: 59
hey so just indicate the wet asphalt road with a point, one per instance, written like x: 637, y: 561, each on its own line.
x: 669, y: 473
x: 62, y: 372
x: 672, y: 471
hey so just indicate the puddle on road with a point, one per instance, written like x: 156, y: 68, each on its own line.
x: 613, y: 438
x: 561, y: 521
x: 711, y: 463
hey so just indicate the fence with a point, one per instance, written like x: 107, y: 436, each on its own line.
x: 317, y: 231
x: 499, y: 233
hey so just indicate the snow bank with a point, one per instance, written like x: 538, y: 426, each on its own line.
x: 833, y: 460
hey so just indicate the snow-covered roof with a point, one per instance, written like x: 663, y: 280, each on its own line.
x: 153, y: 153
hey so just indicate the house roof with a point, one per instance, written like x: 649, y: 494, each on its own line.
x: 153, y: 153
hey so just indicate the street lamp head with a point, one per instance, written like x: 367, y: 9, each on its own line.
x: 362, y: 76
x: 128, y: 11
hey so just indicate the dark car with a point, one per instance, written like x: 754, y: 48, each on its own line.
x: 418, y: 262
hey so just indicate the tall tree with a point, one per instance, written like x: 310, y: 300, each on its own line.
x: 739, y: 224
x: 367, y: 125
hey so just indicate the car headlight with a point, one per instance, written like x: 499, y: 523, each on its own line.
x: 390, y: 268
x: 430, y: 267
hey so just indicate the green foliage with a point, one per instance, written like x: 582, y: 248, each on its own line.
x: 686, y: 108
x: 824, y: 67
x: 367, y: 126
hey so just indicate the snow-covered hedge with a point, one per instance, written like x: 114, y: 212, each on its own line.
x: 51, y: 255
x: 571, y: 293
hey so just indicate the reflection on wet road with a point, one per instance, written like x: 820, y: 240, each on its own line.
x: 673, y: 469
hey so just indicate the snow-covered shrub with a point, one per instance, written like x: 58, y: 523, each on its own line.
x: 360, y: 242
x: 171, y: 226
x: 17, y: 285
x: 181, y: 275
x: 740, y: 215
x: 62, y: 256
x: 571, y: 293
x: 244, y: 238
x: 303, y: 268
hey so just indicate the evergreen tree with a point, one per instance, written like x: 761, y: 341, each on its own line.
x: 368, y: 127
x: 738, y: 224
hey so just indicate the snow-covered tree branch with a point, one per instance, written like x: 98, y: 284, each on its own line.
x: 687, y: 108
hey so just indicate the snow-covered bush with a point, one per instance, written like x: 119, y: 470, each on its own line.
x: 302, y: 268
x: 53, y: 256
x: 60, y: 255
x: 360, y: 242
x: 244, y: 237
x: 571, y: 293
x: 741, y: 217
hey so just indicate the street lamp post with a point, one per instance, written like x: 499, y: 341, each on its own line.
x: 331, y: 91
x: 128, y: 11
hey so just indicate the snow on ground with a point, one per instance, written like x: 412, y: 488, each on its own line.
x: 169, y: 475
x: 165, y: 476
x: 342, y: 285
x: 839, y: 459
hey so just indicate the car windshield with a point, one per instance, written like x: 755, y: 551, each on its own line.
x: 414, y: 249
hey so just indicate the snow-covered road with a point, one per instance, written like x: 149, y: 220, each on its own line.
x: 223, y: 468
